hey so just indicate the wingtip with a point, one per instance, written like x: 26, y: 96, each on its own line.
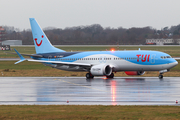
x: 21, y: 57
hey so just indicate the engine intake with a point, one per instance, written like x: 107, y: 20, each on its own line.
x: 134, y: 72
x: 100, y: 70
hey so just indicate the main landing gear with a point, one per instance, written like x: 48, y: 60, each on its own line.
x: 110, y: 76
x: 89, y: 76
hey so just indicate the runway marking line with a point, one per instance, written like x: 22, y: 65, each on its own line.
x: 81, y: 85
x: 40, y: 81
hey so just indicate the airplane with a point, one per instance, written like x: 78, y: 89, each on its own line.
x: 97, y: 63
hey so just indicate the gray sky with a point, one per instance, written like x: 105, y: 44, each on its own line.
x: 108, y: 13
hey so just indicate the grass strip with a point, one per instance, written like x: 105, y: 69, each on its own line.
x: 93, y: 112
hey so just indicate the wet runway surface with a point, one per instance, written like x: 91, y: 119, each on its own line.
x: 97, y: 91
x: 9, y: 59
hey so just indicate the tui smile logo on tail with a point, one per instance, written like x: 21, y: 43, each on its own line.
x: 40, y: 42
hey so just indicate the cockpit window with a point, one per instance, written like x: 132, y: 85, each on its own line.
x: 164, y: 57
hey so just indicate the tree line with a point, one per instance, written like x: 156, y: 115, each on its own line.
x: 95, y: 35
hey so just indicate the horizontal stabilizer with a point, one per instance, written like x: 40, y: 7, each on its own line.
x: 19, y: 61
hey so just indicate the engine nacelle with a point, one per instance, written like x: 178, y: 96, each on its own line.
x: 100, y: 70
x: 134, y: 72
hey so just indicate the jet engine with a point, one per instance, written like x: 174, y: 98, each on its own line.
x: 134, y: 72
x: 102, y: 69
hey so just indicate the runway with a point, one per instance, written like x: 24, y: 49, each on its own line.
x: 9, y: 59
x: 97, y: 91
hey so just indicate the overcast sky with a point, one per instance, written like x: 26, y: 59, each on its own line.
x: 108, y: 13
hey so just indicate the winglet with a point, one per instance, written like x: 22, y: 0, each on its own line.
x: 21, y: 57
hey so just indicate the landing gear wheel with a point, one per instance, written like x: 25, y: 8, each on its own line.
x: 110, y: 76
x: 160, y: 76
x: 89, y: 75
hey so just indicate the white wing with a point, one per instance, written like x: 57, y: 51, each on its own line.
x: 176, y: 58
x: 62, y: 63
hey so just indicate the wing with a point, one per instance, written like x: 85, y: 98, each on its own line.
x: 176, y: 58
x: 62, y: 63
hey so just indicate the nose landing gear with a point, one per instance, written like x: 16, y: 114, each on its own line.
x: 160, y: 76
x: 161, y: 73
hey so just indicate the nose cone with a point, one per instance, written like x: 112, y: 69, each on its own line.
x: 171, y: 63
x: 174, y: 64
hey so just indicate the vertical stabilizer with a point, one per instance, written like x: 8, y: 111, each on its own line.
x: 41, y: 42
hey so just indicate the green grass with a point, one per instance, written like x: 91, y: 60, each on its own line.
x: 22, y: 66
x: 93, y: 112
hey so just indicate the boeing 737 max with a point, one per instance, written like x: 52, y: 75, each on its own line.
x: 97, y: 63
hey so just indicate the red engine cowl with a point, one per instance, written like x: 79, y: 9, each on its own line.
x: 134, y: 72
